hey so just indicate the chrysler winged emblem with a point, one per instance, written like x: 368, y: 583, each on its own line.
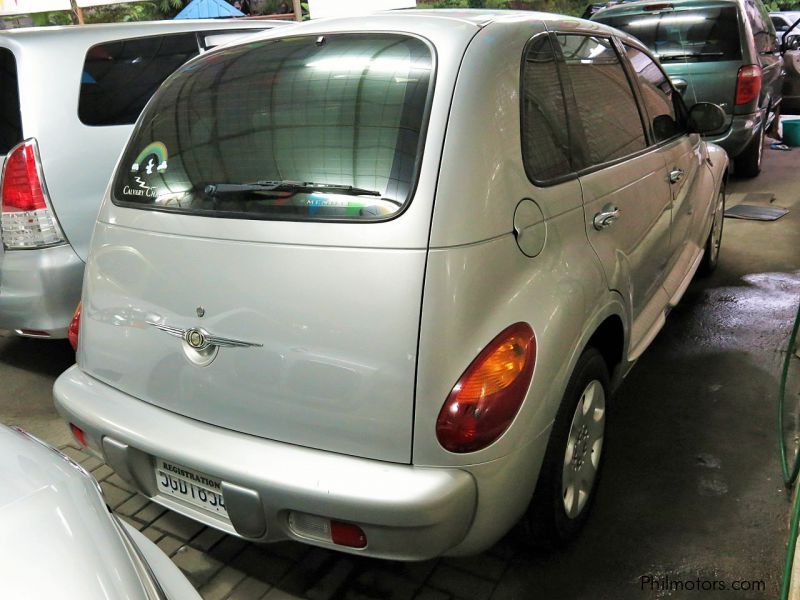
x: 199, y: 339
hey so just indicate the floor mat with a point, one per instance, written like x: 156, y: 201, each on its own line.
x: 755, y: 213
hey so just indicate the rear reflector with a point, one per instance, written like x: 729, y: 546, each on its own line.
x: 74, y: 329
x: 78, y: 434
x: 27, y: 218
x: 319, y: 528
x: 347, y: 534
x: 748, y: 84
x: 487, y: 397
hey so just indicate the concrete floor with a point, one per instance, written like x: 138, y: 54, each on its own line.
x: 691, y: 485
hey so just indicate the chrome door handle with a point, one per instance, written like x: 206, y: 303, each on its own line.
x: 675, y: 175
x: 606, y: 217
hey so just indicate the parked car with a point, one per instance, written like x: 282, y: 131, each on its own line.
x: 370, y: 307
x: 783, y: 20
x: 789, y: 39
x: 61, y: 541
x: 720, y: 51
x: 791, y: 63
x: 68, y: 98
x: 597, y: 6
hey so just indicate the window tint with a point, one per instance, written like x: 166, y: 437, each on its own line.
x: 660, y: 99
x: 120, y: 77
x: 697, y: 35
x: 10, y: 118
x: 606, y: 108
x: 297, y: 128
x: 779, y: 22
x: 763, y: 30
x: 545, y: 134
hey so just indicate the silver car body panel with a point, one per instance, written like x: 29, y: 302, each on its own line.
x: 77, y: 159
x: 59, y: 538
x: 452, y: 276
x: 39, y: 289
x: 325, y: 379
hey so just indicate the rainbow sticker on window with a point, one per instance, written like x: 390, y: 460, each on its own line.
x: 156, y: 156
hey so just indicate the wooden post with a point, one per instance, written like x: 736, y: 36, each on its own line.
x: 78, y: 11
x: 298, y: 10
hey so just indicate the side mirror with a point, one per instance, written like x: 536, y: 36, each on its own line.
x: 705, y: 117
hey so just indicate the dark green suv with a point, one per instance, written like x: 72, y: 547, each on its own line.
x: 720, y: 51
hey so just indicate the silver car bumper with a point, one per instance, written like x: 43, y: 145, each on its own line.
x: 39, y: 290
x: 741, y: 132
x: 406, y: 512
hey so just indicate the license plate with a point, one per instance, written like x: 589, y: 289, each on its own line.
x: 190, y: 486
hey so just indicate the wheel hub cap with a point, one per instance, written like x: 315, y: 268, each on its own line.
x: 584, y: 448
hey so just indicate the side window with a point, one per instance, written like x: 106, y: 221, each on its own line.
x: 606, y: 108
x: 120, y: 77
x: 10, y: 118
x: 545, y: 133
x: 763, y: 30
x: 660, y: 99
x: 778, y: 23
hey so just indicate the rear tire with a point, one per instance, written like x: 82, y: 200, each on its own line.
x: 748, y: 163
x: 714, y: 241
x: 573, y: 459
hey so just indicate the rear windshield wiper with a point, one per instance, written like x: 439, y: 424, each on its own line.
x: 216, y: 189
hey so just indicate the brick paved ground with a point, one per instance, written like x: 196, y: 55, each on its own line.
x: 224, y: 567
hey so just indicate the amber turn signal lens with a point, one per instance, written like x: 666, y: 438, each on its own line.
x: 487, y: 397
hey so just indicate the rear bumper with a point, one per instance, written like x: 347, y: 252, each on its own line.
x: 406, y: 512
x: 39, y: 289
x: 741, y: 132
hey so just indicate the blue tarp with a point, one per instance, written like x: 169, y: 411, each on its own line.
x: 208, y: 9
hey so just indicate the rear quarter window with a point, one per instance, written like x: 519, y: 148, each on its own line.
x: 699, y: 35
x: 299, y: 128
x: 119, y: 77
x: 10, y: 117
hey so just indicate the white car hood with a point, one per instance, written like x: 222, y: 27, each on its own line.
x: 57, y: 538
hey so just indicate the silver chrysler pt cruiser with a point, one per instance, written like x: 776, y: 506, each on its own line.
x: 370, y: 283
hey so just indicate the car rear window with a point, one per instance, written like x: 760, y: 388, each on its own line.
x: 299, y: 128
x: 700, y: 35
x: 120, y: 77
x: 10, y: 118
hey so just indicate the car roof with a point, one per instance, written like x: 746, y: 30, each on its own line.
x: 101, y: 31
x: 417, y: 20
x: 638, y: 7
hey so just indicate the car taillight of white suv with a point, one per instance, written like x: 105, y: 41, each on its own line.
x: 28, y: 220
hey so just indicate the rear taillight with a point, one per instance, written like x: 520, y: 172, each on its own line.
x: 74, y: 329
x: 27, y: 219
x: 748, y: 84
x: 488, y: 395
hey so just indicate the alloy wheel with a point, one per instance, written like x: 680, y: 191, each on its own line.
x: 584, y: 448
